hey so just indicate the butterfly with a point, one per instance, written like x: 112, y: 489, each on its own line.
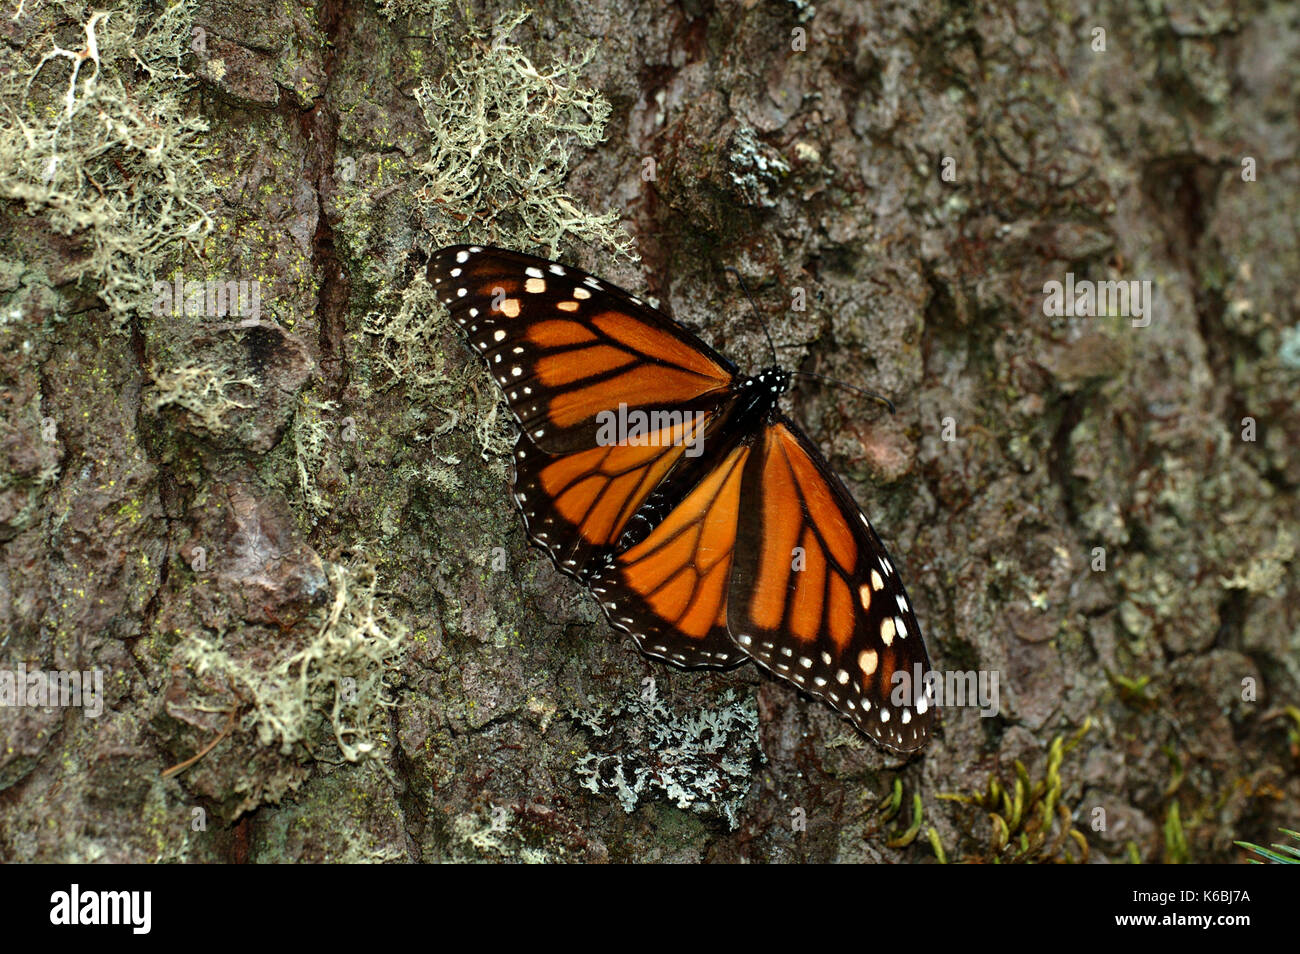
x: 704, y: 522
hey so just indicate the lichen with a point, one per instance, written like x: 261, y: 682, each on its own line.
x: 756, y: 168
x: 340, y: 675
x: 98, y: 140
x: 503, y: 133
x: 1289, y: 351
x: 311, y: 434
x: 405, y: 351
x: 1266, y: 572
x: 201, y: 390
x: 702, y: 760
x: 436, y: 14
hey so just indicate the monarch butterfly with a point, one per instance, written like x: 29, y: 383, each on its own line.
x: 701, y: 518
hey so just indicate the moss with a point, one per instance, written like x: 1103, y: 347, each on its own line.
x: 1029, y: 822
x: 1177, y: 851
x: 405, y: 351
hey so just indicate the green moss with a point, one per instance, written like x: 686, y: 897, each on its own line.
x: 1177, y: 851
x: 1029, y: 823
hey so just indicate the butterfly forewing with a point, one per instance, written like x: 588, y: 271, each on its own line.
x: 815, y: 597
x: 565, y: 346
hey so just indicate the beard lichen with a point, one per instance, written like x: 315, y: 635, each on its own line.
x: 339, y: 677
x: 201, y: 390
x: 98, y: 141
x: 504, y: 132
x: 311, y: 439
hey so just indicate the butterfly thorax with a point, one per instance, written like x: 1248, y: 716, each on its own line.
x: 760, y: 394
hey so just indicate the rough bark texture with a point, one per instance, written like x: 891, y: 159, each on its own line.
x: 201, y: 521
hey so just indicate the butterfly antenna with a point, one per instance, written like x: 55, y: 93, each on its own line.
x: 761, y: 323
x: 848, y: 387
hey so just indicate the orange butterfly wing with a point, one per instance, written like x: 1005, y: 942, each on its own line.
x: 815, y: 598
x: 671, y: 589
x: 566, y: 347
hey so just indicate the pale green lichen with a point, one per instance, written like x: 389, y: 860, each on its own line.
x: 435, y: 14
x: 1289, y: 351
x: 1266, y: 572
x: 702, y: 760
x: 503, y: 133
x: 311, y: 435
x: 406, y: 351
x: 406, y: 339
x: 21, y: 493
x: 340, y: 675
x: 203, y: 391
x: 495, y: 835
x: 98, y: 140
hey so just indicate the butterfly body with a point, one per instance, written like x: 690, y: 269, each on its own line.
x: 700, y: 517
x: 753, y: 402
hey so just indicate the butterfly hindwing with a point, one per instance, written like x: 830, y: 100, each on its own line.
x: 815, y: 597
x: 670, y: 590
x: 578, y: 504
